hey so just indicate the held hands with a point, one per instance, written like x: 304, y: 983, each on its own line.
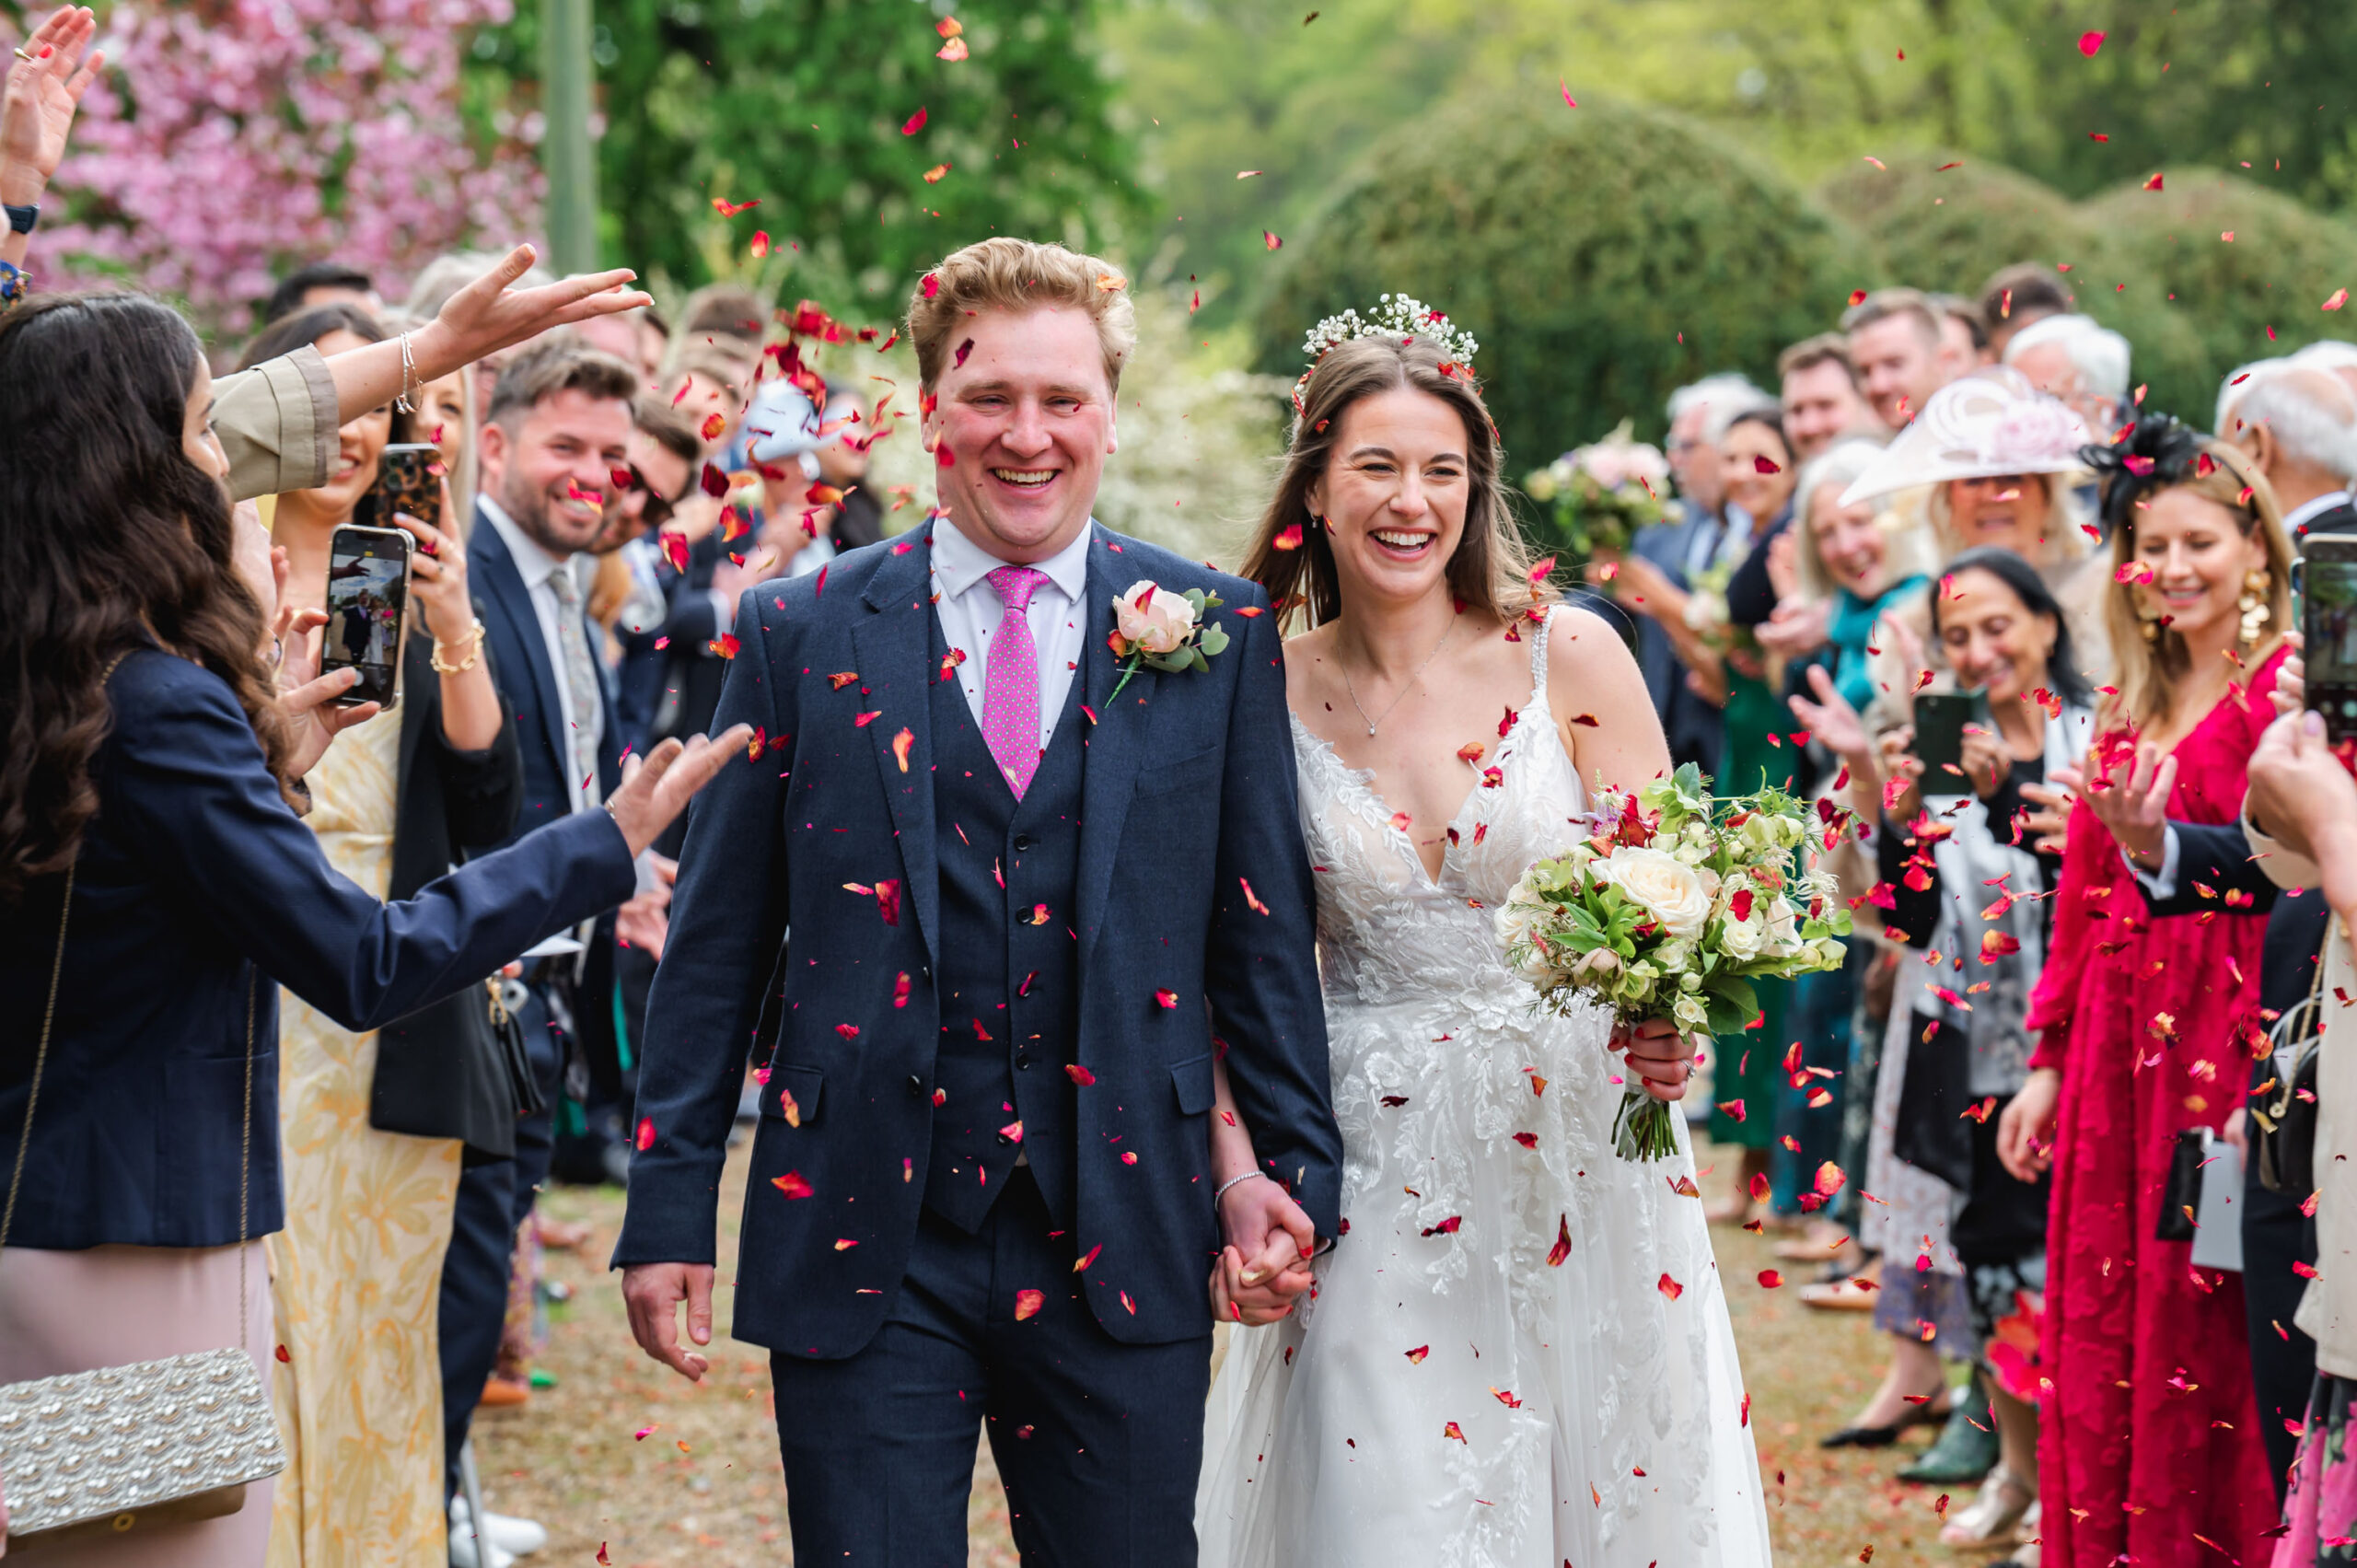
x: 1662, y: 1058
x: 657, y: 788
x: 651, y: 1295
x: 1265, y: 1264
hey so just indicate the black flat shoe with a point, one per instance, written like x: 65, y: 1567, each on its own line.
x: 1883, y: 1436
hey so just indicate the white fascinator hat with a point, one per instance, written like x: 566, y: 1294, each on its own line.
x: 1989, y: 422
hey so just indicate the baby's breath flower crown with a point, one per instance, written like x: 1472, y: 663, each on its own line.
x: 1400, y: 317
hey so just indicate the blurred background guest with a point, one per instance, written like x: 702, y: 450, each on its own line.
x: 1823, y: 399
x: 1904, y: 351
x: 2016, y: 295
x: 2084, y: 364
x: 2298, y: 424
x: 328, y: 283
x: 844, y: 435
x: 1963, y: 334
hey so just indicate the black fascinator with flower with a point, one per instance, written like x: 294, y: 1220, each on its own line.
x: 2160, y: 450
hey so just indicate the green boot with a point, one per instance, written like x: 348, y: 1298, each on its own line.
x: 1965, y: 1450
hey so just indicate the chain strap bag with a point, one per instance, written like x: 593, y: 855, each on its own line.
x: 148, y: 1444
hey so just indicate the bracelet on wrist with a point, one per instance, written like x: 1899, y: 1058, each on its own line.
x: 1237, y: 1180
x: 474, y: 654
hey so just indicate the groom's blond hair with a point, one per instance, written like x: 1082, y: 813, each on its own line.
x: 1019, y: 275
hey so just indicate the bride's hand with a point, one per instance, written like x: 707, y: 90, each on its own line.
x: 1266, y: 1261
x: 1660, y: 1056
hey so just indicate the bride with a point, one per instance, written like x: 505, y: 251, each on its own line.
x: 1518, y: 1353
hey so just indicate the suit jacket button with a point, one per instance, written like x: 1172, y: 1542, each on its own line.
x: 1023, y: 842
x: 1021, y: 1062
x: 916, y: 1087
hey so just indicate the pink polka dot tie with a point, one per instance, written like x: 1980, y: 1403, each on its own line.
x: 1011, y: 680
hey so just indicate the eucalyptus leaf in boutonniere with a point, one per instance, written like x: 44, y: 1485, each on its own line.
x: 1153, y: 625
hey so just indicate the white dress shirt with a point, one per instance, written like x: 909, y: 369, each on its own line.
x: 971, y: 611
x: 2300, y: 516
x: 537, y: 566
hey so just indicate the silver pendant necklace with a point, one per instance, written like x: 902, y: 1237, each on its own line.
x: 1405, y: 687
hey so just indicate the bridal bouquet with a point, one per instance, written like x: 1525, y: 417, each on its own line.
x: 1599, y: 496
x: 1670, y: 910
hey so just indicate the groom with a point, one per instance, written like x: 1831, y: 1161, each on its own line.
x: 1027, y: 914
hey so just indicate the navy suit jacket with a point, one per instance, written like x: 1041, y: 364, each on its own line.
x: 194, y: 875
x: 1195, y: 920
x: 1692, y: 726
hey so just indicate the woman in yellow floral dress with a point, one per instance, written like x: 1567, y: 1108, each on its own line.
x: 357, y: 1271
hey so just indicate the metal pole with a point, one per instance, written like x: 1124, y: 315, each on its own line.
x: 567, y: 156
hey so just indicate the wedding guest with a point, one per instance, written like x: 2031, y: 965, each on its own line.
x: 2300, y: 822
x: 2141, y: 1024
x: 2002, y: 460
x: 1860, y: 561
x: 1949, y: 1067
x: 1963, y: 334
x: 706, y: 383
x: 845, y: 435
x: 1824, y: 399
x: 322, y: 282
x: 1666, y: 556
x: 2084, y: 364
x: 666, y: 457
x: 557, y: 428
x: 726, y: 316
x: 2016, y: 295
x: 2298, y: 424
x: 2198, y: 865
x: 147, y: 828
x: 1902, y: 351
x: 630, y: 338
x: 354, y: 1272
x: 1756, y: 476
x: 444, y: 276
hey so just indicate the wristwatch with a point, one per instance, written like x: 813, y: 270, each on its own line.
x: 22, y: 219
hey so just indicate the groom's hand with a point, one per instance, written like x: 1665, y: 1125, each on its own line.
x: 1661, y: 1056
x: 651, y: 1293
x: 1266, y: 1261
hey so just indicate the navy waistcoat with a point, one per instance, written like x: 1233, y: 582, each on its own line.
x: 1008, y: 981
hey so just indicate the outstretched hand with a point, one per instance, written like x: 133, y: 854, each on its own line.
x: 657, y: 788
x: 43, y: 91
x: 487, y: 316
x: 2131, y: 800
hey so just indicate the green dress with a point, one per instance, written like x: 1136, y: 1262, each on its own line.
x: 1746, y: 1064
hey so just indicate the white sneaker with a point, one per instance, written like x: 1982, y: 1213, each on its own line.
x: 463, y: 1552
x: 508, y: 1537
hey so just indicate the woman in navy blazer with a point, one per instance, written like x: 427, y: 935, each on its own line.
x: 155, y: 880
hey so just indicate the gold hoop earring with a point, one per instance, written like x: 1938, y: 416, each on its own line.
x: 2149, y: 621
x: 2255, y: 604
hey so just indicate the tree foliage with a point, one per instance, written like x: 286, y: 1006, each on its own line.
x: 229, y: 140
x: 1602, y: 258
x: 802, y: 105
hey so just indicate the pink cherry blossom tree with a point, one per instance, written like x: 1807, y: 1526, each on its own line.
x: 230, y: 140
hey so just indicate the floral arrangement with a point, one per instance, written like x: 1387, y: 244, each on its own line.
x: 1396, y: 316
x: 1599, y: 496
x: 1153, y: 625
x: 1670, y: 909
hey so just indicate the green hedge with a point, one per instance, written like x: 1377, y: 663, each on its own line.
x: 1576, y: 245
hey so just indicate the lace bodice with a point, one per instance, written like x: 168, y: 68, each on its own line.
x: 1387, y: 931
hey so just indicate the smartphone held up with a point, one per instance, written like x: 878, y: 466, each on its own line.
x: 367, y: 602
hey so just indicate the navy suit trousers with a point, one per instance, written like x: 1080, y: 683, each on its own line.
x: 494, y: 1199
x: 1098, y: 1442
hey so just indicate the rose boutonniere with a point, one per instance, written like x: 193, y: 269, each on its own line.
x: 1153, y: 625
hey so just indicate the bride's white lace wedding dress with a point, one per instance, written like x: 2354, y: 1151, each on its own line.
x: 1519, y: 1354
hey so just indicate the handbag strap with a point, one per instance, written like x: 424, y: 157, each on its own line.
x: 40, y: 1063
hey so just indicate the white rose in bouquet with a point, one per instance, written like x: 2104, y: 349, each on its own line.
x: 1742, y: 939
x: 1663, y: 885
x: 1516, y: 920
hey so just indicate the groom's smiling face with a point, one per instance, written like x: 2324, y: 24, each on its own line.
x: 1022, y: 425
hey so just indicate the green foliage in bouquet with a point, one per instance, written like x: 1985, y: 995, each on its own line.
x: 1670, y: 910
x: 1595, y: 498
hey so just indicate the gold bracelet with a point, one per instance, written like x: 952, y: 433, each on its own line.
x: 434, y: 656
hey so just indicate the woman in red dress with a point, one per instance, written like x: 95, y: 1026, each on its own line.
x: 2149, y: 1450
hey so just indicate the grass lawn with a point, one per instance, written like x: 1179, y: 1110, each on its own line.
x: 703, y: 1488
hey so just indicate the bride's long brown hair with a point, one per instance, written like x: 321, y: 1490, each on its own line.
x: 1290, y: 555
x: 110, y: 539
